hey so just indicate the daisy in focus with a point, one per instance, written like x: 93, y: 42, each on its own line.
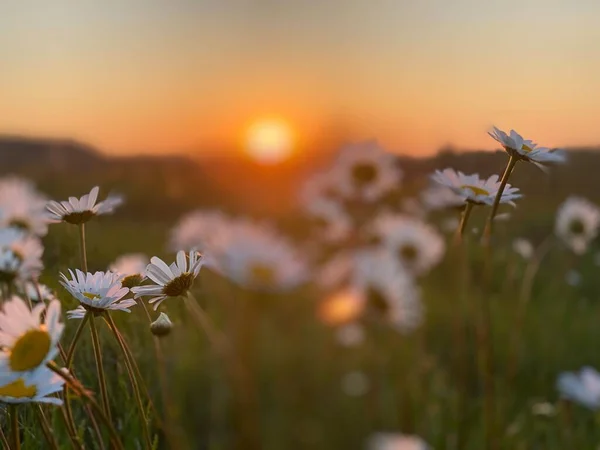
x: 171, y: 281
x: 418, y: 246
x: 475, y: 190
x: 366, y: 172
x: 78, y: 211
x: 39, y: 388
x: 132, y: 266
x: 526, y: 150
x: 98, y: 292
x: 396, y: 441
x: 27, y: 341
x: 20, y: 256
x: 22, y: 206
x: 582, y: 388
x: 577, y: 223
x: 257, y: 257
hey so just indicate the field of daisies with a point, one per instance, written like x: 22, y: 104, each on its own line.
x: 395, y: 323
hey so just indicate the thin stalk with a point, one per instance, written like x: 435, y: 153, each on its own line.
x: 524, y: 299
x: 82, y: 247
x: 512, y: 161
x: 460, y: 231
x: 134, y: 384
x: 14, y: 421
x: 70, y: 424
x: 88, y: 397
x: 4, y: 440
x: 95, y: 426
x: 99, y: 367
x: 75, y: 340
x: 216, y: 338
x: 46, y: 429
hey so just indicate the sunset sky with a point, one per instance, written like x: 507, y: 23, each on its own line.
x: 178, y: 75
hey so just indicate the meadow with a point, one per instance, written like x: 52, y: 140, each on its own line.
x: 478, y: 369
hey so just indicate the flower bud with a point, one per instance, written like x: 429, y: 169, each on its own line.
x: 161, y: 326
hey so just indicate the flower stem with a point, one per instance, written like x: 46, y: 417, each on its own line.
x: 77, y: 387
x: 99, y: 367
x: 4, y: 440
x: 505, y: 176
x: 216, y: 338
x: 14, y: 421
x: 46, y: 429
x: 132, y: 380
x: 460, y: 231
x: 75, y: 340
x: 82, y: 247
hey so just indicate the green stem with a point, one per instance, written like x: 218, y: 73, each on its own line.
x: 46, y: 429
x: 88, y: 397
x: 99, y: 367
x: 3, y: 439
x: 460, y: 231
x: 132, y: 380
x: 75, y: 340
x: 69, y: 423
x: 217, y: 339
x: 82, y: 247
x: 505, y: 176
x: 14, y: 420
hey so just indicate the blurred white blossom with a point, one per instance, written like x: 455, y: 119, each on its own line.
x: 577, y: 223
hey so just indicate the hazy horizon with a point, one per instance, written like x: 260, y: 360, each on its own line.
x: 151, y: 76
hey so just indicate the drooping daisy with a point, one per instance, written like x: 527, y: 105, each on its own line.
x: 37, y: 292
x: 320, y: 204
x: 258, y: 257
x: 582, y: 387
x: 523, y: 248
x: 440, y: 198
x: 196, y: 230
x: 526, y: 150
x: 173, y: 281
x: 389, y: 290
x: 475, y: 190
x: 396, y: 441
x: 22, y: 206
x: 27, y: 342
x: 20, y: 256
x: 577, y: 223
x: 366, y: 172
x: 97, y: 292
x: 418, y: 245
x: 132, y: 266
x: 36, y: 389
x: 80, y: 210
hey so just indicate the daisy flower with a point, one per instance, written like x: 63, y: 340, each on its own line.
x: 98, y: 292
x: 396, y: 441
x: 523, y: 248
x: 33, y: 291
x: 257, y: 257
x: 319, y: 203
x: 197, y: 229
x: 366, y: 172
x: 473, y: 189
x: 22, y: 206
x: 526, y: 150
x: 20, y: 256
x: 582, y: 387
x: 37, y: 389
x: 78, y: 211
x: 27, y: 341
x: 577, y: 223
x: 418, y: 245
x: 132, y: 266
x: 171, y: 281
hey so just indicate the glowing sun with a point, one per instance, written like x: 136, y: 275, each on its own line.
x: 269, y: 141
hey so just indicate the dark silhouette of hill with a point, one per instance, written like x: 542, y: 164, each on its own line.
x: 163, y: 187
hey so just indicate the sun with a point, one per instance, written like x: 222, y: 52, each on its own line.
x: 269, y: 141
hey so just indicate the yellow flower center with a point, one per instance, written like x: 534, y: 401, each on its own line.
x: 526, y: 148
x: 30, y: 350
x: 91, y: 296
x: 262, y: 274
x: 17, y: 389
x: 475, y: 189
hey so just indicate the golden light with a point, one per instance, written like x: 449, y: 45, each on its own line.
x: 269, y: 141
x: 341, y: 307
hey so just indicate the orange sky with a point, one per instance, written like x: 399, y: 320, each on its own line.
x: 151, y: 76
